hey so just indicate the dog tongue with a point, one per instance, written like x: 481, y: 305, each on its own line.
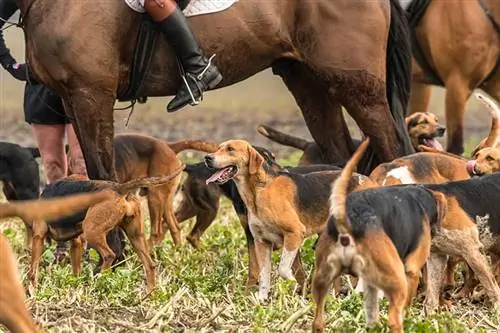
x: 471, y: 167
x: 433, y: 143
x: 215, y: 176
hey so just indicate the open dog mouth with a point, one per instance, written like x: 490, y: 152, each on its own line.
x: 223, y: 175
x: 430, y: 141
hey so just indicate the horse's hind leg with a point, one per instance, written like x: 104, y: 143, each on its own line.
x: 364, y: 97
x: 457, y: 93
x: 321, y: 112
x: 420, y: 97
x: 91, y: 113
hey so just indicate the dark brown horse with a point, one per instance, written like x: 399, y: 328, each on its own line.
x: 457, y: 46
x: 329, y: 53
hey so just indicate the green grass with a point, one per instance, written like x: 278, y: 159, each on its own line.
x: 203, y: 291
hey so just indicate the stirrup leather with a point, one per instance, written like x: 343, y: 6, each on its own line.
x: 196, y: 80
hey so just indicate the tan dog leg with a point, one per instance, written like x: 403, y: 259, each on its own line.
x: 134, y: 229
x: 326, y: 270
x: 291, y: 244
x: 99, y: 243
x: 155, y: 206
x: 465, y: 243
x: 414, y: 263
x: 40, y: 230
x: 76, y: 253
x: 13, y: 312
x: 263, y: 253
x: 169, y: 212
x: 299, y: 273
x: 435, y: 273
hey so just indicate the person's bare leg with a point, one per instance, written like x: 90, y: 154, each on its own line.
x: 76, y: 160
x: 50, y: 140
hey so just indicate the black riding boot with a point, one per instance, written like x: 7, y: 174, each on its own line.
x: 200, y: 73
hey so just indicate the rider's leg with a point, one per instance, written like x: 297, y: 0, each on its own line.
x: 201, y: 74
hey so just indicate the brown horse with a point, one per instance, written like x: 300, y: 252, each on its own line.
x: 457, y: 46
x: 328, y: 53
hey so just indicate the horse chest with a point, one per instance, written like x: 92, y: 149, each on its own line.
x: 264, y: 231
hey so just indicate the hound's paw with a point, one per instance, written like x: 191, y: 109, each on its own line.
x: 286, y: 273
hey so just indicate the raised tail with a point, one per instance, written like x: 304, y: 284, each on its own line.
x: 282, y: 138
x: 53, y: 209
x: 147, y: 182
x: 398, y: 74
x: 338, y: 196
x: 493, y: 137
x: 204, y: 146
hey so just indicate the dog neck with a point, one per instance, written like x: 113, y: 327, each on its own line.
x: 249, y: 186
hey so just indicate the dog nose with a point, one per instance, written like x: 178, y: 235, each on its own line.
x: 209, y: 159
x: 441, y: 130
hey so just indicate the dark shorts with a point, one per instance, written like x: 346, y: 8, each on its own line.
x: 42, y: 106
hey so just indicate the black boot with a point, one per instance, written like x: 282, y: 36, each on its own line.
x: 200, y: 74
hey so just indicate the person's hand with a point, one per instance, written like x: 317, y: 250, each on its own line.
x: 18, y: 71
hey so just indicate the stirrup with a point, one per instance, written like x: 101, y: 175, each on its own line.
x: 195, y: 79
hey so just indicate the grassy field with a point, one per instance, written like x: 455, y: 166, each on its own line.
x: 202, y: 291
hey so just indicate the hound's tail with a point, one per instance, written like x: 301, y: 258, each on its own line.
x: 53, y: 209
x: 282, y: 138
x: 147, y: 182
x: 492, y: 106
x: 204, y: 146
x: 339, y: 191
x: 425, y: 149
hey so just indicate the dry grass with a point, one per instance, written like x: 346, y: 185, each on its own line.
x: 202, y: 291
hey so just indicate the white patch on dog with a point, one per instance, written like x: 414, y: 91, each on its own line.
x: 403, y: 174
x: 485, y: 235
x: 360, y: 289
x: 265, y: 277
x: 263, y: 231
x: 178, y: 198
x: 286, y: 261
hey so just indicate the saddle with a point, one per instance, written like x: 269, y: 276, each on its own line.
x: 145, y: 45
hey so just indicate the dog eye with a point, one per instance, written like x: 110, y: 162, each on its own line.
x: 229, y: 148
x: 489, y: 158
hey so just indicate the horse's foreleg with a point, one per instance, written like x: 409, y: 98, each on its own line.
x: 420, y: 97
x: 91, y: 113
x: 322, y: 114
x: 457, y: 93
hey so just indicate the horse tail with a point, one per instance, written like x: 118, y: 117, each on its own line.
x: 282, y: 138
x: 338, y: 195
x: 200, y: 145
x: 398, y: 73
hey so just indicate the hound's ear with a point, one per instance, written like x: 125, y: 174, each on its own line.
x: 442, y: 208
x: 255, y: 161
x: 407, y: 120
